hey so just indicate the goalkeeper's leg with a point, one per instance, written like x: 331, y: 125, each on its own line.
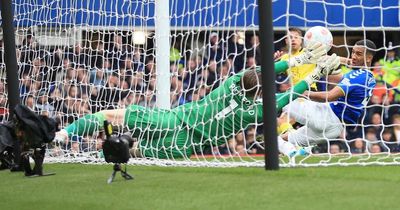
x: 90, y: 123
x: 170, y: 145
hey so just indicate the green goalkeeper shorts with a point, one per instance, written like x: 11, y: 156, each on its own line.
x: 160, y: 132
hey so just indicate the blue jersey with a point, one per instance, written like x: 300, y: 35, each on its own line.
x: 357, y: 86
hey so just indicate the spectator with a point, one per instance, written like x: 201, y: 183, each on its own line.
x: 97, y: 56
x: 196, y: 96
x: 138, y: 64
x: 390, y: 65
x: 82, y: 107
x: 375, y: 148
x: 73, y: 91
x: 132, y: 98
x: 150, y: 71
x: 69, y: 110
x: 130, y: 66
x: 212, y: 73
x: 358, y: 146
x: 177, y: 91
x: 116, y: 52
x: 149, y: 99
x: 83, y: 82
x: 214, y: 48
x: 175, y: 53
x: 389, y: 140
x: 251, y: 62
x: 77, y: 55
x: 27, y: 49
x: 255, y: 50
x: 98, y: 77
x: 252, y: 146
x: 3, y: 107
x: 225, y: 71
x: 396, y: 128
x: 191, y: 73
x: 43, y: 106
x: 334, y: 149
x: 199, y: 93
x: 112, y: 92
x: 376, y: 121
x: 371, y: 134
x: 378, y: 72
x: 25, y: 85
x: 236, y: 49
x: 56, y: 99
x: 389, y: 109
x: 137, y: 83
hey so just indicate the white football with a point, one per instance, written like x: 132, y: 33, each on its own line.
x: 319, y: 34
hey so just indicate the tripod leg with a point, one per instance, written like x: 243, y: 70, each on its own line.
x: 125, y: 175
x: 111, y: 179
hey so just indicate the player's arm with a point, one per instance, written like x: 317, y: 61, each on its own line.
x: 323, y: 68
x: 334, y: 78
x: 279, y: 66
x: 311, y: 55
x: 325, y: 96
x: 282, y: 99
x: 344, y: 60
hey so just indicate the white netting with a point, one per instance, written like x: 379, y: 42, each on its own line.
x: 81, y: 57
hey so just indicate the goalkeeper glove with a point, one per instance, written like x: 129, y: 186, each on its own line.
x: 325, y: 66
x: 310, y: 55
x: 336, y: 72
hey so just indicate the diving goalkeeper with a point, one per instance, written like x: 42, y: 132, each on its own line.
x: 182, y: 131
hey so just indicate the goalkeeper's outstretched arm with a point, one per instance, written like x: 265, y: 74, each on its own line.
x: 310, y: 55
x: 323, y: 68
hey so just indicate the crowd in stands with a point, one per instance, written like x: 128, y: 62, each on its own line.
x: 69, y: 82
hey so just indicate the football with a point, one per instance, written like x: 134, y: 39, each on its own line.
x: 319, y: 34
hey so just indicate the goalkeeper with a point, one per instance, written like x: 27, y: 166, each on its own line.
x: 182, y: 131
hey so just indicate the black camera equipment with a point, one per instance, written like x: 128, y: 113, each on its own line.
x: 7, y: 137
x: 34, y: 132
x: 116, y: 150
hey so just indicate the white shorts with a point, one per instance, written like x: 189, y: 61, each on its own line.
x: 320, y: 122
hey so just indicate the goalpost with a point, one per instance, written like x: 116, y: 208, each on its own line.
x: 79, y: 57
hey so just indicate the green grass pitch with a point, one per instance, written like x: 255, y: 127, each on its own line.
x: 78, y: 186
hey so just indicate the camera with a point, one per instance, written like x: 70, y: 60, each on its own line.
x: 116, y: 150
x: 7, y: 137
x: 25, y: 137
x: 34, y: 132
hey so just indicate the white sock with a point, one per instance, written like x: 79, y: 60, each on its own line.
x: 285, y: 147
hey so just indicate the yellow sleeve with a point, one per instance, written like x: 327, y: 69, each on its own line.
x: 298, y: 73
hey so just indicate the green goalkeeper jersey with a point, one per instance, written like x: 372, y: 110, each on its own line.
x: 222, y: 113
x: 226, y: 110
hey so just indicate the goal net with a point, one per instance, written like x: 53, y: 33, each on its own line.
x: 81, y: 57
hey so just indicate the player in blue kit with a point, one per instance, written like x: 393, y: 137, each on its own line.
x: 344, y: 104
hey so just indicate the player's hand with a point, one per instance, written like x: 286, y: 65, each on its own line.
x: 278, y: 54
x: 324, y: 67
x: 336, y: 72
x: 328, y: 65
x: 310, y: 55
x: 61, y: 137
